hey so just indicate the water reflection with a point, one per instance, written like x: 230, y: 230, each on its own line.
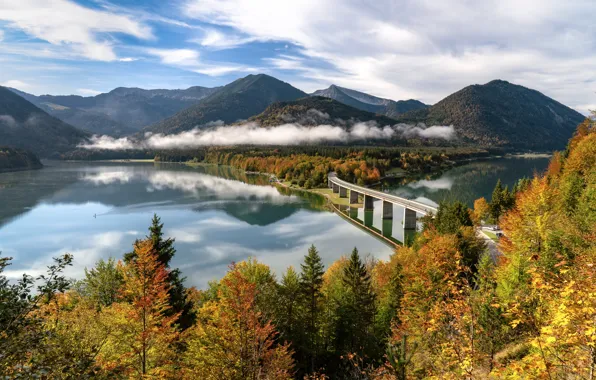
x: 216, y: 214
x: 467, y: 182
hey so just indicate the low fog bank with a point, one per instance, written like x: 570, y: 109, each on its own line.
x: 286, y: 134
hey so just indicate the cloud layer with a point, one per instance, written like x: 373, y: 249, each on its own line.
x: 286, y: 134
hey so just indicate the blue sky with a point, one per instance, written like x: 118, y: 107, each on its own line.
x: 397, y: 49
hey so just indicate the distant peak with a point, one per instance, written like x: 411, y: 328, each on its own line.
x: 498, y: 82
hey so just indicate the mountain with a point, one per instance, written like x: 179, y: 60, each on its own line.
x: 315, y: 110
x: 238, y: 100
x: 368, y: 102
x: 24, y: 125
x: 500, y: 113
x: 121, y: 111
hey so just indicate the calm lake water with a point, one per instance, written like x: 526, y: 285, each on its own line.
x: 216, y: 214
x: 467, y: 182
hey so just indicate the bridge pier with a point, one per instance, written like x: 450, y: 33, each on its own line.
x: 335, y: 188
x: 353, y: 197
x: 368, y: 218
x: 329, y: 183
x: 368, y: 202
x: 343, y: 192
x: 409, y: 219
x: 387, y: 210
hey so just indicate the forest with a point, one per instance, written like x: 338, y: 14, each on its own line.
x: 308, y: 166
x: 440, y: 308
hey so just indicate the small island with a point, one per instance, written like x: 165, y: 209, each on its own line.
x: 13, y: 159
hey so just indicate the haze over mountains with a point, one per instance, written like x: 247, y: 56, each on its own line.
x: 496, y: 114
x: 23, y: 125
x: 120, y: 112
x: 368, y: 102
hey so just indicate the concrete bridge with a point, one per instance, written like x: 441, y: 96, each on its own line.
x: 369, y: 195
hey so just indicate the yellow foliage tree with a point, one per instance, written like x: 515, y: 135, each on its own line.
x: 142, y: 337
x: 231, y: 341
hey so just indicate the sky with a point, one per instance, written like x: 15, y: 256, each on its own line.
x: 397, y: 49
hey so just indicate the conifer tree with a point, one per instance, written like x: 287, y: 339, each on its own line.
x: 311, y: 281
x: 165, y: 251
x: 359, y: 309
x: 496, y: 201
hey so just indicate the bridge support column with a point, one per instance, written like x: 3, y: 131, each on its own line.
x: 368, y: 202
x: 353, y: 197
x: 329, y: 183
x: 353, y: 213
x: 409, y: 219
x: 387, y: 210
x: 335, y: 188
x: 343, y: 192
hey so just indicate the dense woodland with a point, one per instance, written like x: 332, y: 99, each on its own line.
x: 17, y: 159
x: 440, y: 308
x: 308, y: 166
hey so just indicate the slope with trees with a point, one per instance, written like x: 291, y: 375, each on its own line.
x: 238, y: 100
x: 121, y: 111
x: 12, y: 159
x: 500, y: 113
x: 23, y: 125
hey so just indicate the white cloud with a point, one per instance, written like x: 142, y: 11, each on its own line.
x: 88, y: 91
x: 425, y: 49
x: 215, y: 39
x: 128, y: 59
x: 63, y: 22
x: 1, y: 35
x: 286, y: 134
x: 15, y: 83
x: 189, y: 60
x: 177, y: 57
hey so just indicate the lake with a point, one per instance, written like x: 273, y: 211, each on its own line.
x: 467, y: 182
x: 216, y: 214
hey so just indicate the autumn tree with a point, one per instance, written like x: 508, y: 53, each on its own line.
x: 481, y: 210
x: 165, y: 251
x: 143, y: 326
x: 231, y: 341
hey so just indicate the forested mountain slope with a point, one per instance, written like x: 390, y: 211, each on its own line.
x: 23, y: 125
x: 500, y: 113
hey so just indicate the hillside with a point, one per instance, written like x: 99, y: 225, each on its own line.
x: 121, y: 111
x: 368, y: 102
x: 236, y: 101
x: 500, y: 113
x: 316, y: 110
x: 12, y: 159
x: 23, y: 125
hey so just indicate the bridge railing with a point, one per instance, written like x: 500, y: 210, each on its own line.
x: 423, y: 208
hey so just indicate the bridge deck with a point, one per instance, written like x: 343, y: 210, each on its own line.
x: 412, y: 205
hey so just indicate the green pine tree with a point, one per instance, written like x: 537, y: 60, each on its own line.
x: 496, y: 202
x: 359, y: 310
x: 311, y: 281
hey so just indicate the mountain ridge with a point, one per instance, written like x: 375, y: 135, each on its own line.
x: 24, y: 125
x: 370, y: 103
x: 121, y: 111
x: 502, y: 114
x: 239, y: 100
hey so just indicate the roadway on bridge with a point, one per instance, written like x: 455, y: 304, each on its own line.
x: 412, y: 205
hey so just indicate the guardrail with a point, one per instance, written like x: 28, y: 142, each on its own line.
x: 412, y: 205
